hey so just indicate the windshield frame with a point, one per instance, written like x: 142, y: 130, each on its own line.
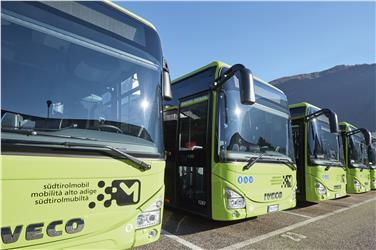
x: 269, y: 156
x: 350, y: 144
x: 372, y: 154
x: 312, y: 124
x: 36, y: 23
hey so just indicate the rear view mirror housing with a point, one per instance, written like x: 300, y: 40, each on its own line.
x: 246, y: 86
x: 332, y: 116
x: 246, y: 83
x: 367, y: 135
x: 166, y: 83
x: 333, y: 121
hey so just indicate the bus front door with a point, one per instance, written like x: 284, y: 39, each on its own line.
x: 192, y: 162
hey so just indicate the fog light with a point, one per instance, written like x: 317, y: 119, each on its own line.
x: 235, y: 214
x: 152, y: 234
x: 320, y: 188
x: 357, y: 185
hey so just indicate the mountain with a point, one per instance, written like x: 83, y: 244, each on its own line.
x: 349, y: 90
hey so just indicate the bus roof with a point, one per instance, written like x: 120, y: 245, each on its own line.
x: 219, y: 65
x: 129, y: 13
x: 347, y: 124
x: 301, y: 105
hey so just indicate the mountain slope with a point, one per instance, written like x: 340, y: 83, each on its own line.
x: 350, y: 90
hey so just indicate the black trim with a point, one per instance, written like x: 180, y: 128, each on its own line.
x: 49, y: 150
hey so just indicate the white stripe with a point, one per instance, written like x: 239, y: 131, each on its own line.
x: 181, y: 241
x: 302, y: 215
x: 291, y: 227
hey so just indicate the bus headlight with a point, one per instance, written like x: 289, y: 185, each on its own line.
x: 320, y: 188
x: 293, y: 195
x: 357, y: 184
x: 151, y: 216
x: 234, y: 200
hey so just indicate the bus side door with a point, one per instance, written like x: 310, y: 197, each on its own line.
x: 192, y: 154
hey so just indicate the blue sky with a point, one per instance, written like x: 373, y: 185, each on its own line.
x: 273, y: 39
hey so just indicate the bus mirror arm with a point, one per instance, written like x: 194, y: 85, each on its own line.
x: 246, y: 84
x: 166, y: 82
x: 365, y: 132
x: 333, y: 120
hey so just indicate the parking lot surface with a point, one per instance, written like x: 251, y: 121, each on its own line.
x: 346, y: 223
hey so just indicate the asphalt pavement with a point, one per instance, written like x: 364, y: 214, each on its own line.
x: 346, y: 223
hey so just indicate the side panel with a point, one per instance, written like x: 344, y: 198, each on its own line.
x: 263, y: 185
x: 360, y: 175
x: 333, y: 179
x: 71, y: 202
x: 373, y: 178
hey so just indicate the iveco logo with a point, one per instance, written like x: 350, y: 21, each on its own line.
x: 35, y: 231
x: 272, y: 196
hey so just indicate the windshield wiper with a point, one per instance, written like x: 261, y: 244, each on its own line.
x: 36, y: 133
x: 140, y: 164
x: 252, y: 161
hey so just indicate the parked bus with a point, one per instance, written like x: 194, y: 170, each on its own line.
x: 82, y: 139
x: 318, y: 153
x: 355, y: 143
x: 372, y: 162
x: 229, y: 145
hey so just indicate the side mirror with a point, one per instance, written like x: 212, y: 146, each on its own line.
x: 333, y: 121
x: 166, y: 82
x: 246, y: 86
x: 332, y: 116
x: 367, y: 136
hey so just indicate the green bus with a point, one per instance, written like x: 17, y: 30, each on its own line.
x: 372, y: 162
x: 355, y: 146
x: 318, y: 153
x: 229, y: 145
x: 82, y: 154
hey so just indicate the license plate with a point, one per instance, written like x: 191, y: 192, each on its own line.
x: 337, y: 196
x: 273, y: 208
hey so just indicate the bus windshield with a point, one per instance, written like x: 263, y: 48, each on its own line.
x: 324, y: 147
x: 247, y: 131
x: 372, y: 154
x: 64, y: 84
x: 358, y: 155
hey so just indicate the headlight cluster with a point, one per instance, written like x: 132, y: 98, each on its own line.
x: 357, y: 184
x: 234, y: 200
x: 320, y: 188
x: 151, y: 216
x: 293, y: 196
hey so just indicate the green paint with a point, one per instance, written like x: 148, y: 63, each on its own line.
x: 333, y: 178
x: 373, y: 178
x: 363, y: 176
x: 43, y: 189
x: 267, y: 178
x: 225, y: 175
x: 131, y: 14
x: 194, y: 101
x: 23, y: 183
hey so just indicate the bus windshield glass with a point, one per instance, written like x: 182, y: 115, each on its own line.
x: 372, y: 154
x: 324, y: 148
x: 70, y: 86
x: 247, y: 131
x: 358, y: 155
